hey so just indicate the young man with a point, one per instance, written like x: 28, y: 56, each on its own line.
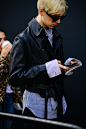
x: 36, y: 61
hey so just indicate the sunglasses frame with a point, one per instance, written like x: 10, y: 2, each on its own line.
x: 55, y: 18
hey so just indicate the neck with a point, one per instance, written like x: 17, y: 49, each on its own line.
x: 39, y: 20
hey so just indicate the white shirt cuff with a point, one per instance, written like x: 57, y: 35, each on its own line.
x: 53, y: 68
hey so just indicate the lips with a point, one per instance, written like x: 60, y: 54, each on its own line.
x: 54, y: 25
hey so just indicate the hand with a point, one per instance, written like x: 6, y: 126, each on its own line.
x: 6, y: 49
x: 73, y: 62
x: 62, y: 66
x: 59, y: 62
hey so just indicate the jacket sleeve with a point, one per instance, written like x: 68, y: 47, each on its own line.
x: 19, y: 74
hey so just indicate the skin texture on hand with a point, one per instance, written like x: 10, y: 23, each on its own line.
x: 62, y: 66
x: 65, y: 67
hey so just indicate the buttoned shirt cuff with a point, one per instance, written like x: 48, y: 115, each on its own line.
x: 53, y: 68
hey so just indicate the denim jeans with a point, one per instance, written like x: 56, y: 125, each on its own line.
x: 8, y: 108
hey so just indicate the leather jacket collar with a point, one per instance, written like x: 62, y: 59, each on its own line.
x: 37, y: 28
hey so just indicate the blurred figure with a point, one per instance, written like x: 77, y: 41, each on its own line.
x: 8, y: 94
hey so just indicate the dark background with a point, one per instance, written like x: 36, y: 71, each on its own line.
x: 14, y: 17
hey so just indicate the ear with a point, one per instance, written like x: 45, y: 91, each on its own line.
x: 41, y: 11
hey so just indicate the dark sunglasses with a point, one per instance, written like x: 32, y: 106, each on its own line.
x: 55, y: 17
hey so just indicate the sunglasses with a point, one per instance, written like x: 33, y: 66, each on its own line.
x: 55, y: 17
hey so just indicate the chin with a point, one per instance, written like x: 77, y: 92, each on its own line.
x: 52, y: 27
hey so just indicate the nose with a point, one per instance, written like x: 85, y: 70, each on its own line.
x: 58, y: 21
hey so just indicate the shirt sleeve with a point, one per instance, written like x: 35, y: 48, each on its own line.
x: 53, y: 68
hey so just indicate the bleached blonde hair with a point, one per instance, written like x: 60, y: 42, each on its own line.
x: 53, y: 6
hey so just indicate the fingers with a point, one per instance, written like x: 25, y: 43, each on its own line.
x: 6, y: 49
x: 73, y: 61
x: 63, y: 67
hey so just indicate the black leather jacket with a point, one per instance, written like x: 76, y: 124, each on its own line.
x: 31, y: 50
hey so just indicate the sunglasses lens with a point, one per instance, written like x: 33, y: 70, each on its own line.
x: 56, y: 18
x: 62, y: 17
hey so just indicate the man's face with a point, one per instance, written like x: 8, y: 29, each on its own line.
x: 2, y: 38
x: 47, y: 21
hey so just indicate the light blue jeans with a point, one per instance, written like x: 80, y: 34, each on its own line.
x: 8, y: 108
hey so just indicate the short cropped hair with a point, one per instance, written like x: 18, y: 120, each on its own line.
x: 53, y: 6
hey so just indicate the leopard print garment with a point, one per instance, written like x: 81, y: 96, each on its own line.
x: 4, y: 79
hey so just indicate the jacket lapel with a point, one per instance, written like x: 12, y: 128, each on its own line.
x: 57, y: 40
